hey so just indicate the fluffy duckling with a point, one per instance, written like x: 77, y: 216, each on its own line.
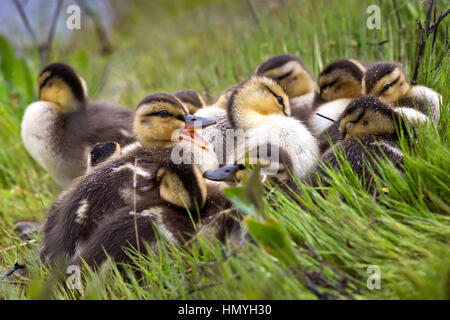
x: 179, y: 188
x: 387, y: 81
x: 59, y: 130
x: 191, y: 99
x: 160, y: 121
x: 259, y: 111
x: 369, y: 131
x: 292, y: 75
x: 339, y: 83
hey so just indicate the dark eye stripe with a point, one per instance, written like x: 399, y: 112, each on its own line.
x: 284, y: 75
x: 326, y: 85
x: 45, y: 81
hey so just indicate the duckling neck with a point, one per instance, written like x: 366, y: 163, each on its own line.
x: 251, y: 119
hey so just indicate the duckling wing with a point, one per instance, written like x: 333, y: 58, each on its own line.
x: 423, y: 99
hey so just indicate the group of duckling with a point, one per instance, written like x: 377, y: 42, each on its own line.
x: 130, y: 177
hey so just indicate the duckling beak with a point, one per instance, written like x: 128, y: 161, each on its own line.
x: 193, y: 123
x: 227, y: 173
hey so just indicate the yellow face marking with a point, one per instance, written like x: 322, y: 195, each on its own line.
x: 57, y: 91
x: 345, y: 86
x: 370, y: 123
x: 258, y: 98
x: 154, y: 130
x: 387, y: 90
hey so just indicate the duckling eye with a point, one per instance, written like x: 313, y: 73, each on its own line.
x: 164, y: 114
x: 280, y: 100
x: 386, y: 87
x: 349, y: 125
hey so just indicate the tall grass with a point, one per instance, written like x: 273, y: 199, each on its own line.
x: 207, y: 46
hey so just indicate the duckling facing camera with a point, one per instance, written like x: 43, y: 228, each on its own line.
x: 370, y: 131
x: 130, y: 179
x: 387, y: 81
x: 59, y: 130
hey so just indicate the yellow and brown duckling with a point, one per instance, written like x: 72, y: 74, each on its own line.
x: 260, y: 109
x: 179, y: 189
x: 388, y: 81
x: 59, y: 130
x: 159, y: 122
x: 191, y: 99
x: 339, y: 83
x: 293, y: 76
x: 369, y: 129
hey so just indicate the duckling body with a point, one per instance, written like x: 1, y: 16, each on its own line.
x: 216, y: 134
x: 387, y: 81
x: 126, y: 181
x: 59, y: 130
x: 181, y: 188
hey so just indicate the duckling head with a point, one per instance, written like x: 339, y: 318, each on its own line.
x: 160, y: 115
x: 182, y: 185
x: 341, y: 79
x: 289, y: 72
x: 255, y: 99
x: 191, y: 99
x: 387, y: 81
x: 366, y: 116
x: 62, y: 86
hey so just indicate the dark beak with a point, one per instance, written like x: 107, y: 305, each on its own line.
x: 195, y: 122
x: 227, y: 173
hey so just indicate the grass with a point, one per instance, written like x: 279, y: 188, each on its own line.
x: 207, y: 46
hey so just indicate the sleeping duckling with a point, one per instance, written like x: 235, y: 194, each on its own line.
x: 259, y: 109
x: 292, y: 75
x: 339, y: 83
x: 160, y: 121
x: 388, y: 81
x: 59, y: 130
x: 191, y: 99
x: 368, y: 128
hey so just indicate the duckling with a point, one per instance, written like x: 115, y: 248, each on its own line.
x: 59, y: 130
x: 159, y: 122
x: 260, y: 109
x: 368, y: 128
x: 191, y: 99
x: 292, y: 75
x: 388, y: 81
x: 102, y: 152
x: 179, y: 189
x: 339, y: 83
